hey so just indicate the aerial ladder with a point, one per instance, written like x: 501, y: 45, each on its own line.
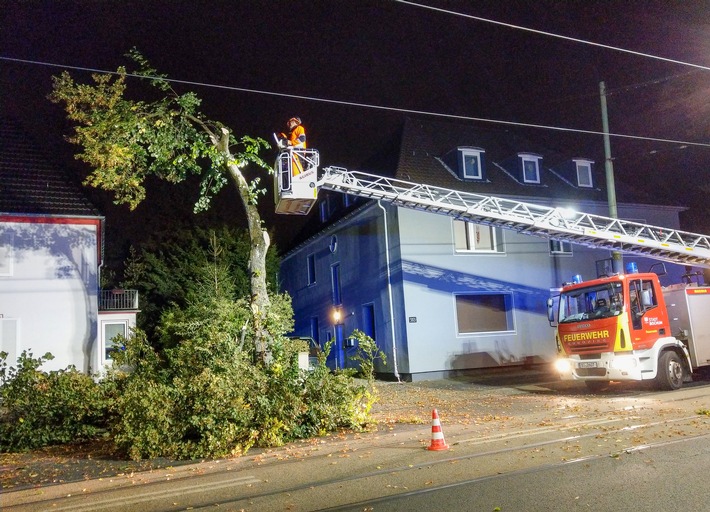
x: 297, y: 195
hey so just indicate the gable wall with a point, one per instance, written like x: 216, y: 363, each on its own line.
x: 48, y: 298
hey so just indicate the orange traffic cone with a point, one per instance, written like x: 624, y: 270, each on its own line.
x: 437, y: 435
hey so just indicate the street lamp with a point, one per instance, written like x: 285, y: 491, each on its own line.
x: 338, y: 329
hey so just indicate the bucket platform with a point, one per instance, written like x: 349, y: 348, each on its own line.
x: 295, y: 181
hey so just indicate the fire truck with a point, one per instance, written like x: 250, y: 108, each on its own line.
x: 618, y: 327
x: 627, y: 327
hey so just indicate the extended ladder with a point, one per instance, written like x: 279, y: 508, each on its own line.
x: 556, y: 223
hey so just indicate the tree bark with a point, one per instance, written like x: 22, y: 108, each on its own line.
x: 259, y: 245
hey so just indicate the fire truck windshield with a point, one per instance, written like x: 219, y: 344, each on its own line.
x: 599, y: 301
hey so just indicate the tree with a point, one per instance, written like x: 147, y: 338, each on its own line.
x: 125, y: 141
x: 167, y: 270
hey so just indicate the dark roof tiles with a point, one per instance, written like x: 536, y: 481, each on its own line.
x: 426, y: 143
x: 29, y: 184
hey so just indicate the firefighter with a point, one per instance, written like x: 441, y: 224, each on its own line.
x: 296, y: 140
x: 297, y: 134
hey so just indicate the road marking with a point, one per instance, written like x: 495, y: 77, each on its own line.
x: 541, y: 430
x: 150, y: 496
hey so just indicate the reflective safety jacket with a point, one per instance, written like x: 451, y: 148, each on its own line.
x: 297, y: 137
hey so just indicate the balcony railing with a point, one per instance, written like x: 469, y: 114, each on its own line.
x: 118, y: 300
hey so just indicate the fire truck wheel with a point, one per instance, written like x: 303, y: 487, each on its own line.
x: 670, y: 371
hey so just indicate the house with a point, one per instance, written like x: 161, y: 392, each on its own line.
x: 51, y: 251
x: 441, y: 295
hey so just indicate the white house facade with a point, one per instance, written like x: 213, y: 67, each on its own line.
x: 51, y: 241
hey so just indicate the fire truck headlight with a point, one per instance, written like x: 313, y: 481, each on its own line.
x: 563, y: 366
x: 623, y: 363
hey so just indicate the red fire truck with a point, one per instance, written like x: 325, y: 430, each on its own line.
x: 627, y: 327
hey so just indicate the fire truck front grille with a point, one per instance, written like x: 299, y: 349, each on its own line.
x: 591, y: 372
x: 589, y: 348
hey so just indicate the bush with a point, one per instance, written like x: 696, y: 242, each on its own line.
x: 40, y: 408
x: 367, y: 353
x: 204, y: 397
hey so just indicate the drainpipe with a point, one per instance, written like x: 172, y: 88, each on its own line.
x: 389, y: 291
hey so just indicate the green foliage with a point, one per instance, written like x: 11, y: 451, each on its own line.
x: 333, y: 401
x: 40, y: 408
x: 204, y: 397
x: 125, y: 141
x: 185, y: 264
x: 366, y: 355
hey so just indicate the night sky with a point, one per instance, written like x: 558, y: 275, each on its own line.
x: 392, y: 55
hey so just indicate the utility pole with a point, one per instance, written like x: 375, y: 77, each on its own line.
x: 617, y: 261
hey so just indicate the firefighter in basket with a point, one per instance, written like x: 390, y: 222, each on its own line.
x: 296, y: 139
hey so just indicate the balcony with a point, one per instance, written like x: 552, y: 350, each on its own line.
x: 118, y: 300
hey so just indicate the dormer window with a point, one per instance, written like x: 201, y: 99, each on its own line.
x: 471, y: 163
x: 584, y: 173
x: 530, y: 165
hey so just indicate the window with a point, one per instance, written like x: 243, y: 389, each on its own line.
x: 335, y: 284
x: 469, y: 236
x: 471, y: 164
x: 315, y: 334
x: 111, y: 331
x: 560, y: 247
x: 531, y: 168
x: 584, y: 173
x: 486, y: 312
x: 325, y: 208
x: 642, y: 297
x: 311, y: 262
x: 6, y: 254
x: 10, y: 339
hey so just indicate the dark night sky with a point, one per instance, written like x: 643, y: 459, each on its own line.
x: 398, y: 56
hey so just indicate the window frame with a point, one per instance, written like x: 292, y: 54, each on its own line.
x: 507, y: 312
x: 10, y: 335
x: 530, y: 158
x: 582, y: 164
x: 496, y: 237
x: 315, y: 333
x: 561, y: 250
x: 335, y: 285
x: 311, y: 269
x: 324, y: 209
x: 478, y: 171
x: 106, y: 342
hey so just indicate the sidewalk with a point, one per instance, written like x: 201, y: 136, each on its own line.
x: 401, y: 407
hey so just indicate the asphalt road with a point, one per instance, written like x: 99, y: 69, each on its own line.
x: 537, y: 446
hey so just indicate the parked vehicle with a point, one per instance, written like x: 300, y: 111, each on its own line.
x: 627, y: 327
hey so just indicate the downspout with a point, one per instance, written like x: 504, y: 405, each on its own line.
x: 389, y: 291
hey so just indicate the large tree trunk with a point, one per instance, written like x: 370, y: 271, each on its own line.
x: 259, y: 245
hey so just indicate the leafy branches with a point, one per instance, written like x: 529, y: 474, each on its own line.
x: 125, y: 141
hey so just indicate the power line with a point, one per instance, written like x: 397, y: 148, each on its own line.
x: 551, y: 34
x: 362, y: 105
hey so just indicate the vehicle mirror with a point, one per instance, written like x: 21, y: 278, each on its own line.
x: 551, y: 310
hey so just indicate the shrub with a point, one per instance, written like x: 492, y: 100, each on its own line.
x: 40, y: 408
x: 367, y: 353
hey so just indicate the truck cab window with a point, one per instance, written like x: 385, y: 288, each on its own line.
x: 642, y: 297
